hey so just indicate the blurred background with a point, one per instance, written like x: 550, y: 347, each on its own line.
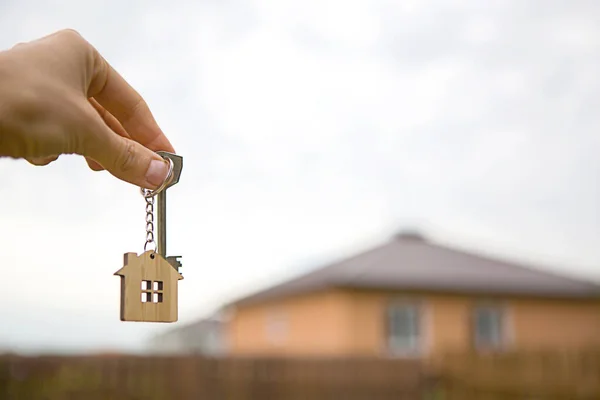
x: 313, y: 131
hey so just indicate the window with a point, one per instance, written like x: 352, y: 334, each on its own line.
x: 152, y: 291
x: 276, y: 325
x: 489, y: 327
x: 404, y: 328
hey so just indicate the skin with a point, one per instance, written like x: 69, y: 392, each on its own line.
x: 58, y: 95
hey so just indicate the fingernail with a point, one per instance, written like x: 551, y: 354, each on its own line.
x: 157, y: 172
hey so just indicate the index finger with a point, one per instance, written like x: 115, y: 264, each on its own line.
x: 111, y: 91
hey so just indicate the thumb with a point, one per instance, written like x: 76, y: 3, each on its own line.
x: 124, y: 158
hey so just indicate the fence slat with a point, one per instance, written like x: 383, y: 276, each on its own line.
x: 518, y: 375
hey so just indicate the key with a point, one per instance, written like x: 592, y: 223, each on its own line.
x: 162, y: 208
x: 149, y: 280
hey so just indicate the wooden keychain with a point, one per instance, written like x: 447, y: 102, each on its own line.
x: 149, y: 280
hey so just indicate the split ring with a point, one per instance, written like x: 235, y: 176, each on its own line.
x: 151, y: 193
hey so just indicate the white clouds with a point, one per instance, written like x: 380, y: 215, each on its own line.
x: 347, y: 24
x: 283, y: 92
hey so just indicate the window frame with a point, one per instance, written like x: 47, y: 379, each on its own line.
x: 500, y: 319
x: 276, y: 326
x: 152, y: 292
x: 416, y: 338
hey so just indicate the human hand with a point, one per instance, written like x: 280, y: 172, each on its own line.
x: 58, y: 95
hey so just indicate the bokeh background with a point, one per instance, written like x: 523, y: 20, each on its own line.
x: 309, y: 130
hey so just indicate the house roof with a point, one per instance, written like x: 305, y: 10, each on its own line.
x: 132, y: 260
x: 410, y: 262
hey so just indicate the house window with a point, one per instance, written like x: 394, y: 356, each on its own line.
x: 404, y: 331
x: 489, y: 327
x: 152, y: 291
x: 276, y: 327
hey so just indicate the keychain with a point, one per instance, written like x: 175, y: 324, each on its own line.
x: 149, y: 280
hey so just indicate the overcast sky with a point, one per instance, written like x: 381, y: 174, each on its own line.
x: 310, y: 130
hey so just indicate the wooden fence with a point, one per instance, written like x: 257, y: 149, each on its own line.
x: 529, y: 376
x: 181, y: 378
x: 532, y: 375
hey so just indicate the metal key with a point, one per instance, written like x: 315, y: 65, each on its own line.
x: 162, y: 209
x: 176, y: 165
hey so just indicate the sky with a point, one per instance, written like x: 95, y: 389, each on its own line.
x: 309, y: 130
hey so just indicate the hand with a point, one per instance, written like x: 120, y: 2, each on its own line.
x: 59, y: 96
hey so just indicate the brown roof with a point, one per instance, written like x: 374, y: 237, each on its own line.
x: 409, y: 262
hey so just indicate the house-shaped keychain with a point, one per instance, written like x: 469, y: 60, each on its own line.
x: 148, y: 288
x: 149, y: 280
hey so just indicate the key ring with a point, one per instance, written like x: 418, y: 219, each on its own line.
x: 151, y: 193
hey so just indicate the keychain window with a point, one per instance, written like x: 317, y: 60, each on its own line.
x: 152, y: 291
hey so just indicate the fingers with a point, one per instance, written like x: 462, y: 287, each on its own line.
x: 112, y: 123
x: 94, y: 166
x: 41, y: 161
x: 110, y: 120
x: 113, y: 93
x: 124, y: 158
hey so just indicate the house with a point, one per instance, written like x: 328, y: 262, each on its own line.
x: 148, y: 288
x: 410, y: 297
x: 204, y: 337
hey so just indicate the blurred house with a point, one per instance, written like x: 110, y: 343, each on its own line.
x: 410, y: 297
x: 205, y: 337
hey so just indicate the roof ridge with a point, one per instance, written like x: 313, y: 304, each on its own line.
x: 306, y: 274
x: 515, y: 276
x: 351, y: 277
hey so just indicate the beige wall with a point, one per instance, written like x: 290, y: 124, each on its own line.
x: 556, y: 324
x: 315, y: 324
x: 353, y: 323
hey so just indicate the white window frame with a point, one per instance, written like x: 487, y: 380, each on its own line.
x: 276, y: 327
x: 410, y: 346
x: 499, y: 337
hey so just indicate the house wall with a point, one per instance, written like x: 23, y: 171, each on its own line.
x: 556, y: 323
x: 314, y: 324
x: 445, y: 321
x: 354, y: 323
